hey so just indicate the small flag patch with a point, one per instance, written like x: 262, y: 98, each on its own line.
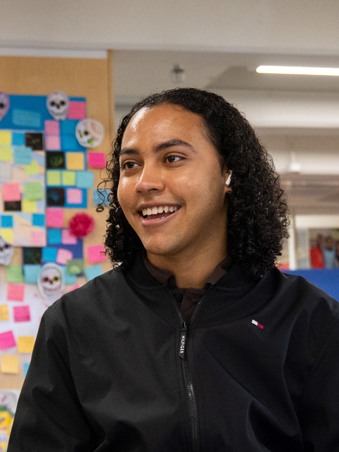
x: 259, y: 325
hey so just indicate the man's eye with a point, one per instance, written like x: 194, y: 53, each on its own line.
x: 128, y: 165
x: 173, y: 158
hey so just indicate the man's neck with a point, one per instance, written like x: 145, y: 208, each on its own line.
x: 190, y: 272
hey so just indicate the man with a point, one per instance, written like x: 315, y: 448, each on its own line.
x: 195, y: 341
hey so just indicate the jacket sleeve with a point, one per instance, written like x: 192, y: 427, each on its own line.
x: 49, y: 416
x: 320, y: 412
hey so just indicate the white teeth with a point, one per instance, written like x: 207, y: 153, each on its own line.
x: 160, y: 209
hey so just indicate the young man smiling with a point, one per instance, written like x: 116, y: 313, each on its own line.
x: 195, y: 341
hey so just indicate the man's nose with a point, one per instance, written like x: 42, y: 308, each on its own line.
x: 150, y: 179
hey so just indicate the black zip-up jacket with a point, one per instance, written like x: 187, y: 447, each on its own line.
x: 115, y: 368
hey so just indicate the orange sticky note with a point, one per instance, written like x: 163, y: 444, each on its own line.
x: 9, y: 364
x: 4, y: 315
x: 25, y: 344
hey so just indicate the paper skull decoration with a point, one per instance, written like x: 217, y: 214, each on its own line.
x: 51, y: 282
x: 89, y: 133
x: 6, y: 252
x: 4, y: 104
x: 58, y: 105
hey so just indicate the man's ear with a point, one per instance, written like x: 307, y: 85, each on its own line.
x: 228, y: 178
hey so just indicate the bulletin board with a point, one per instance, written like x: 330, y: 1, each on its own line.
x: 48, y: 181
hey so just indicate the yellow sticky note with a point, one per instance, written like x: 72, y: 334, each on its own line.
x: 4, y: 312
x: 9, y: 364
x: 33, y: 168
x: 6, y: 152
x: 53, y: 178
x: 25, y: 344
x: 75, y: 160
x: 68, y: 178
x: 29, y: 206
x: 5, y: 137
x: 7, y: 234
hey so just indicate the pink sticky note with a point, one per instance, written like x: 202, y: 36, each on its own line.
x: 54, y: 217
x: 15, y: 292
x: 7, y: 340
x: 74, y: 196
x: 52, y: 127
x: 67, y: 238
x: 11, y: 192
x: 76, y: 110
x: 96, y: 159
x: 96, y: 254
x: 21, y: 313
x: 52, y: 143
x: 63, y: 256
x: 38, y: 238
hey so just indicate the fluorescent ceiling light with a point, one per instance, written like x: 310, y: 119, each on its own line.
x: 298, y: 70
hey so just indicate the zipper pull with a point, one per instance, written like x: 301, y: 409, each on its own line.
x: 183, y: 338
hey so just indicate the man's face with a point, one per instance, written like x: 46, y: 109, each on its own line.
x: 172, y: 188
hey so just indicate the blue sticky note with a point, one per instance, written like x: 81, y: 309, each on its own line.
x: 54, y: 236
x: 25, y: 369
x: 84, y: 179
x: 70, y: 143
x: 18, y: 139
x: 26, y: 119
x: 93, y: 271
x: 38, y: 219
x: 68, y: 126
x: 31, y: 273
x: 101, y: 195
x: 69, y: 278
x: 6, y: 221
x: 49, y: 254
x: 22, y: 155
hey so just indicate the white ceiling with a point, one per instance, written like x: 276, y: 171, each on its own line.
x: 219, y: 44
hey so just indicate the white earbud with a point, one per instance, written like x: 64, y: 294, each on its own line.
x: 228, y: 180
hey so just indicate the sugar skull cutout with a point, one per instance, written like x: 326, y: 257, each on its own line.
x: 4, y: 104
x: 51, y: 282
x: 6, y: 252
x: 58, y: 105
x: 89, y: 133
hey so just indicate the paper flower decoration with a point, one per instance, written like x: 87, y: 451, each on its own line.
x: 81, y: 225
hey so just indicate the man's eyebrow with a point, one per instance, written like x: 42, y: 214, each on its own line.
x: 171, y: 143
x: 160, y: 147
x: 129, y: 151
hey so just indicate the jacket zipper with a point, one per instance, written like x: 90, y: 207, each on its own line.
x: 192, y: 403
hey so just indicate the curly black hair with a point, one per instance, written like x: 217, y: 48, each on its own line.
x: 257, y: 210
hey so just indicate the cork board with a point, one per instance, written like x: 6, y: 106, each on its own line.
x: 90, y: 79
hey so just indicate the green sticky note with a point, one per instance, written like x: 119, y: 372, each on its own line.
x: 14, y: 274
x: 33, y: 191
